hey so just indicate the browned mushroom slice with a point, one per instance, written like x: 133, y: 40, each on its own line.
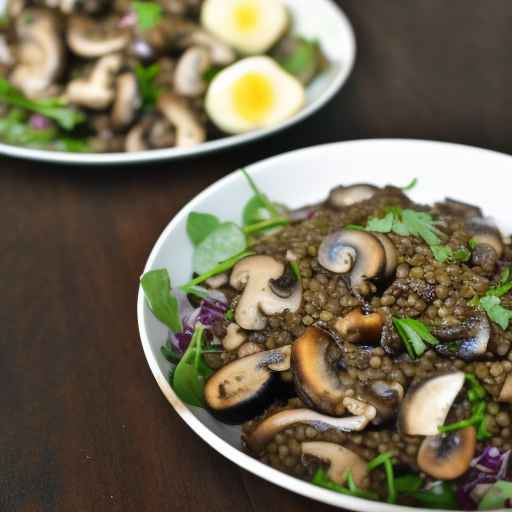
x: 316, y: 382
x: 269, y: 427
x: 447, y: 457
x: 244, y: 388
x: 189, y: 73
x: 484, y: 231
x: 253, y: 275
x: 234, y: 337
x: 457, y: 208
x: 506, y: 390
x: 341, y: 461
x: 152, y: 132
x: 90, y: 39
x: 357, y: 254
x: 384, y: 397
x: 467, y: 340
x: 127, y: 100
x: 40, y: 52
x: 342, y: 196
x: 356, y: 327
x: 427, y: 404
x: 391, y: 255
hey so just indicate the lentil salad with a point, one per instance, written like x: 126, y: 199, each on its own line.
x: 363, y: 343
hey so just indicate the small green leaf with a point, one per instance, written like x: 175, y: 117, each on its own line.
x: 498, y: 496
x: 255, y: 211
x: 410, y: 185
x: 149, y: 14
x: 271, y: 207
x: 496, y: 312
x: 383, y: 225
x: 164, y: 305
x: 301, y: 57
x: 200, y: 225
x: 440, y: 495
x: 413, y: 334
x: 295, y: 269
x: 441, y: 253
x: 322, y: 480
x: 472, y: 243
x: 408, y: 483
x: 211, y: 73
x: 170, y: 353
x: 223, y: 243
x: 400, y: 229
x: 421, y: 224
x: 146, y: 81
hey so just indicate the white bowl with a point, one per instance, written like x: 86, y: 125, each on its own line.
x: 319, y: 19
x: 298, y: 178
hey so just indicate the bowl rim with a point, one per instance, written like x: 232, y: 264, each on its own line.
x: 154, y: 155
x: 235, y: 455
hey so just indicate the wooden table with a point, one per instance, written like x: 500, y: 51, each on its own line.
x: 83, y: 424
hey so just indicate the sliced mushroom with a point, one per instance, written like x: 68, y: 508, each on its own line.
x: 97, y: 90
x: 467, y: 340
x: 234, y: 337
x: 341, y: 461
x: 447, y: 457
x: 357, y: 254
x: 384, y: 397
x: 190, y: 69
x: 356, y: 327
x: 342, y: 196
x: 248, y: 349
x: 189, y: 131
x: 244, y: 388
x: 90, y: 39
x: 427, y: 404
x: 218, y: 281
x: 286, y: 285
x: 391, y: 255
x: 316, y: 382
x: 457, y: 208
x: 284, y: 362
x: 257, y: 439
x: 506, y: 390
x: 253, y: 275
x: 127, y: 100
x: 219, y: 53
x: 153, y: 132
x: 40, y: 52
x: 484, y: 231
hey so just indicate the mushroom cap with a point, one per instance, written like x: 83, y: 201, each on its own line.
x: 427, y: 404
x: 356, y: 327
x: 447, y: 457
x: 127, y: 100
x: 484, y: 231
x: 234, y: 337
x: 190, y: 69
x: 316, y: 382
x: 40, y: 52
x: 343, y: 196
x: 356, y: 253
x: 253, y: 274
x: 391, y: 255
x: 189, y: 131
x: 506, y: 390
x: 258, y: 438
x: 341, y: 461
x: 88, y: 38
x: 154, y: 131
x: 243, y: 388
x: 219, y: 53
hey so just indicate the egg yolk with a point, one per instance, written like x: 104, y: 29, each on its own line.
x: 253, y: 96
x: 246, y: 16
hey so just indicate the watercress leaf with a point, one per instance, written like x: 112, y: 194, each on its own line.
x: 383, y: 225
x: 496, y: 312
x: 504, y: 276
x: 408, y: 483
x: 422, y: 330
x: 400, y: 229
x: 146, y: 81
x: 461, y: 254
x: 255, y: 211
x: 472, y: 243
x: 170, y: 353
x: 200, y: 225
x: 271, y: 207
x: 223, y: 243
x: 440, y: 495
x: 149, y: 14
x: 441, y: 253
x: 156, y: 285
x: 300, y: 57
x: 410, y: 185
x: 498, y: 496
x: 408, y: 329
x: 422, y: 225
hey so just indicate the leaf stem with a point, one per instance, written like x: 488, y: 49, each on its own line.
x: 265, y: 224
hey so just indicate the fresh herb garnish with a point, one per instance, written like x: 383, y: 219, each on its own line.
x: 149, y: 14
x: 265, y: 224
x: 229, y: 314
x: 52, y: 108
x: 192, y: 372
x: 146, y: 81
x: 384, y: 225
x: 211, y: 73
x: 295, y: 269
x: 414, y: 334
x: 200, y: 225
x: 477, y: 397
x: 264, y: 201
x: 498, y: 496
x: 386, y: 459
x: 322, y: 480
x: 301, y: 57
x: 410, y: 185
x: 170, y: 353
x: 164, y: 305
x: 441, y: 494
x: 491, y: 301
x: 444, y: 253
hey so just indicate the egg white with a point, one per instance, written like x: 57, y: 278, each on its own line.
x: 223, y: 103
x: 249, y: 26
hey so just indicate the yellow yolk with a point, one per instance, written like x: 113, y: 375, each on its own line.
x: 253, y: 96
x: 246, y: 16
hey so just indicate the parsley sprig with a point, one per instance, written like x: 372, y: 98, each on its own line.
x: 491, y: 301
x: 146, y: 81
x: 149, y: 14
x: 414, y: 334
x: 477, y: 397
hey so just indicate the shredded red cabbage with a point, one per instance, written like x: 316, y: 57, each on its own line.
x: 39, y: 122
x: 490, y: 466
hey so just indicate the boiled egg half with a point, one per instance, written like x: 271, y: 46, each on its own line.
x: 253, y: 93
x: 249, y: 26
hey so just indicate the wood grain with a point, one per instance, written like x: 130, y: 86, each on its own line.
x: 84, y: 426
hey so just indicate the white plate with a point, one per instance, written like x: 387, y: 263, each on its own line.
x: 319, y: 19
x: 298, y: 178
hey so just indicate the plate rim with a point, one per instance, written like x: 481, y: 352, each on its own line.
x: 233, y: 454
x: 168, y: 154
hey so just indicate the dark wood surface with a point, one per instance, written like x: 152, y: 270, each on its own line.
x: 83, y: 425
